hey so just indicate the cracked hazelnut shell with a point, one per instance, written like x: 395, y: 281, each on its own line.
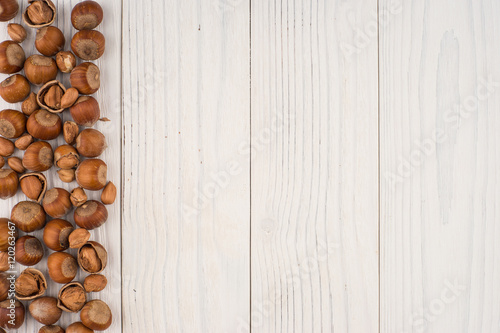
x: 39, y: 13
x: 30, y: 284
x: 33, y: 185
x: 72, y: 297
x: 92, y: 257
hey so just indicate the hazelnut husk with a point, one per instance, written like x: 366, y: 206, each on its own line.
x: 91, y: 143
x: 39, y: 69
x: 5, y: 263
x: 66, y: 175
x: 78, y: 238
x: 44, y: 125
x: 51, y: 329
x: 28, y: 216
x: 12, y: 57
x: 69, y: 98
x: 66, y: 157
x: 45, y: 310
x: 49, y: 41
x: 6, y: 147
x: 16, y: 164
x: 39, y: 13
x: 70, y: 132
x: 91, y: 174
x: 65, y: 61
x: 8, y: 9
x: 86, y: 77
x: 16, y: 32
x: 33, y: 185
x: 71, y: 297
x: 56, y: 202
x: 56, y: 234
x: 78, y: 197
x: 4, y: 286
x: 15, y: 88
x: 30, y: 284
x: 23, y: 142
x: 6, y: 309
x: 62, y: 267
x: 91, y: 215
x: 88, y: 44
x: 9, y: 183
x: 12, y: 124
x: 78, y: 328
x: 38, y: 156
x: 29, y: 251
x: 86, y: 15
x: 29, y: 105
x: 95, y: 283
x: 50, y: 95
x: 8, y: 235
x: 92, y: 257
x: 85, y: 111
x: 96, y: 315
x: 108, y: 195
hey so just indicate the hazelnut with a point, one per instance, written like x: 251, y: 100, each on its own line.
x: 33, y: 185
x: 51, y: 329
x: 15, y: 88
x: 70, y: 132
x: 6, y: 319
x: 69, y: 98
x: 66, y: 157
x: 85, y: 111
x: 86, y: 77
x: 78, y: 238
x: 65, y: 61
x: 72, y: 297
x: 88, y: 44
x: 92, y: 257
x: 86, y: 15
x: 95, y: 283
x: 8, y: 234
x: 62, y: 267
x: 4, y: 286
x: 45, y: 310
x: 2, y: 162
x: 39, y: 69
x: 8, y: 9
x: 16, y: 32
x: 16, y: 164
x: 50, y: 95
x: 11, y: 57
x: 91, y: 215
x: 56, y: 202
x: 28, y: 216
x: 30, y: 284
x: 78, y: 328
x: 29, y: 251
x: 9, y: 183
x: 44, y: 125
x: 49, y: 41
x: 23, y: 142
x: 66, y: 176
x: 38, y: 157
x: 90, y: 143
x: 5, y: 264
x: 78, y: 197
x: 91, y: 174
x: 12, y: 123
x: 6, y: 147
x: 108, y: 195
x: 39, y: 13
x: 96, y: 315
x: 29, y: 105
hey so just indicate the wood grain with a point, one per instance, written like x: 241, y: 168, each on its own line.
x: 439, y: 100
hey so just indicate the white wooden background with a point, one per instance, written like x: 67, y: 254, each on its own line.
x: 302, y: 165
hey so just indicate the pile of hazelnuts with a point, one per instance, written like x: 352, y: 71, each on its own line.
x: 29, y: 131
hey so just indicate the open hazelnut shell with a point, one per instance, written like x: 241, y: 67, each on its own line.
x: 33, y: 185
x: 48, y: 91
x: 92, y: 257
x: 72, y: 297
x: 44, y: 18
x: 30, y: 284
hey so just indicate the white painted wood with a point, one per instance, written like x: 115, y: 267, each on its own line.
x: 314, y: 170
x: 109, y: 97
x: 186, y: 217
x: 439, y: 194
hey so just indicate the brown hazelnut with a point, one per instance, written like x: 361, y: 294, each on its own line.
x: 88, y: 44
x: 16, y: 164
x: 51, y: 329
x: 78, y: 328
x: 28, y: 216
x: 33, y: 185
x: 91, y: 174
x: 56, y: 234
x: 70, y: 132
x: 29, y: 105
x: 45, y: 310
x: 86, y: 78
x: 4, y: 286
x: 5, y: 263
x: 78, y: 197
x: 86, y: 15
x: 30, y: 284
x: 29, y: 251
x: 2, y: 162
x: 6, y: 308
x: 16, y: 32
x: 78, y: 238
x: 85, y: 111
x: 108, y: 195
x: 11, y: 57
x: 8, y: 234
x: 90, y: 143
x: 91, y: 215
x: 49, y: 41
x: 23, y: 142
x: 72, y: 297
x: 56, y: 202
x: 66, y: 157
x: 6, y: 147
x: 12, y: 123
x: 62, y: 267
x: 38, y: 156
x: 96, y: 315
x: 9, y: 183
x: 8, y: 10
x: 15, y: 88
x: 44, y: 125
x: 50, y: 96
x: 69, y: 98
x: 65, y: 61
x: 66, y: 175
x: 39, y: 13
x: 95, y: 283
x: 92, y: 257
x: 39, y: 69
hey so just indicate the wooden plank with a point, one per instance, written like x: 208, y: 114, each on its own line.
x: 439, y: 155
x: 186, y: 201
x: 314, y: 167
